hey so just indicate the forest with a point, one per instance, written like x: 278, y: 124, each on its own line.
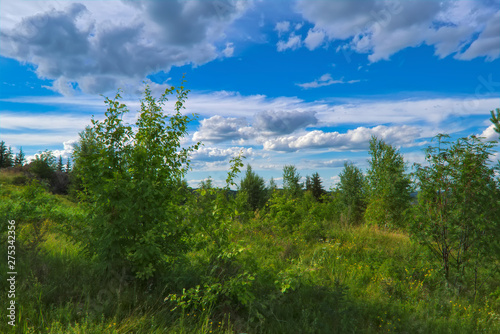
x: 115, y: 241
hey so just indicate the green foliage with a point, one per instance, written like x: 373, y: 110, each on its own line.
x: 316, y: 187
x: 60, y: 165
x: 495, y: 119
x: 291, y: 181
x: 130, y: 178
x: 255, y: 189
x: 68, y: 166
x: 351, y: 193
x: 457, y: 215
x: 44, y: 165
x: 6, y: 158
x: 34, y: 209
x: 20, y: 158
x: 388, y: 186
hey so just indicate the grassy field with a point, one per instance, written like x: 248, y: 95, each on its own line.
x: 321, y: 276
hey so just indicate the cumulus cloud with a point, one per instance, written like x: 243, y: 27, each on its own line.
x: 294, y: 42
x: 325, y: 80
x: 282, y: 27
x: 214, y: 154
x: 78, y: 45
x: 66, y: 152
x: 488, y: 42
x: 356, y: 139
x: 218, y: 129
x: 314, y: 39
x: 490, y: 134
x: 382, y: 28
x: 283, y: 122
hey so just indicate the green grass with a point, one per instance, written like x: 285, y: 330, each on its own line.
x: 351, y: 279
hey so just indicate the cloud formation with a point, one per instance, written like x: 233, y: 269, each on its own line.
x: 77, y: 45
x: 283, y: 122
x: 217, y: 129
x: 325, y: 80
x: 382, y: 28
x: 293, y: 43
x: 356, y: 139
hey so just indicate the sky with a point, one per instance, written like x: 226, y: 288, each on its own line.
x: 304, y: 82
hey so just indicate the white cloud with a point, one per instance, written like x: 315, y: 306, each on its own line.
x: 54, y: 122
x: 382, y: 28
x: 488, y: 42
x: 490, y: 134
x: 219, y: 129
x: 282, y: 27
x: 100, y: 45
x: 325, y: 80
x: 314, y: 39
x: 356, y: 139
x: 267, y: 123
x: 213, y: 154
x: 67, y: 150
x: 229, y: 50
x: 294, y: 42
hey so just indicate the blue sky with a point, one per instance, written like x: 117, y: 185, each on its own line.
x: 303, y: 82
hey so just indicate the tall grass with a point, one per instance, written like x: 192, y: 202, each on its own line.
x: 349, y: 279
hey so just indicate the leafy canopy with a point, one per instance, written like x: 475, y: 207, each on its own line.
x: 389, y: 186
x: 130, y: 177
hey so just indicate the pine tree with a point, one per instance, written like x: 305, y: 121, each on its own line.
x: 68, y: 166
x: 5, y: 155
x: 9, y: 160
x: 60, y: 165
x: 308, y: 183
x: 20, y: 158
x: 495, y: 119
x: 254, y: 186
x: 316, y: 186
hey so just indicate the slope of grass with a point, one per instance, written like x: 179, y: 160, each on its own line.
x: 350, y: 279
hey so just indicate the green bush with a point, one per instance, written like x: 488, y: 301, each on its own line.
x: 131, y: 182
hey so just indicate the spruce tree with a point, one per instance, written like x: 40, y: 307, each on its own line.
x: 60, y: 165
x: 254, y: 186
x: 68, y: 166
x: 316, y: 186
x: 3, y: 154
x: 20, y: 158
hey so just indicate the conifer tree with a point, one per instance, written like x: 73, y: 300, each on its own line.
x: 316, y: 186
x: 5, y: 156
x: 68, y: 166
x: 60, y: 165
x: 254, y: 186
x: 20, y: 158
